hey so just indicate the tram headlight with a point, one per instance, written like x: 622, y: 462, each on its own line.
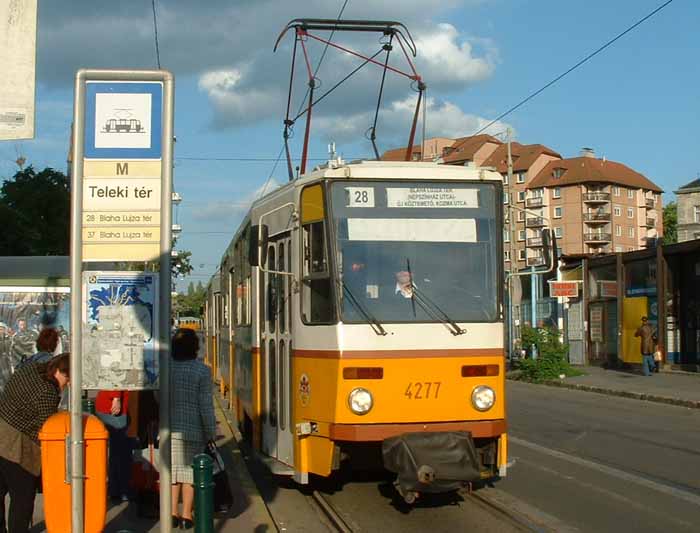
x: 483, y: 398
x: 360, y: 401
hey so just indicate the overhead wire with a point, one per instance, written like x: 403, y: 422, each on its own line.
x: 155, y: 32
x: 577, y: 65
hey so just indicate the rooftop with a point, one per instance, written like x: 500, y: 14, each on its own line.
x: 523, y: 155
x: 693, y: 186
x: 591, y: 170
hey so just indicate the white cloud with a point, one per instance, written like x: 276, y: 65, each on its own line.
x: 443, y: 119
x: 225, y: 213
x: 448, y: 58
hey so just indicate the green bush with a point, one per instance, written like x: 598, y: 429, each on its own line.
x: 551, y: 359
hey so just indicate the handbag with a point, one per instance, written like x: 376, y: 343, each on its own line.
x: 223, y: 497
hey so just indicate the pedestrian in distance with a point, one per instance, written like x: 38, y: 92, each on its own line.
x: 192, y: 422
x: 111, y: 408
x: 5, y: 355
x: 30, y: 397
x: 648, y: 340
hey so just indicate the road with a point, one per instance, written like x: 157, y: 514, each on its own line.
x: 602, y: 463
x: 581, y: 462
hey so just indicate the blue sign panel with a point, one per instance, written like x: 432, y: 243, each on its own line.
x: 123, y: 120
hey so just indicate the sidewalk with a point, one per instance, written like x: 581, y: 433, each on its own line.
x: 674, y: 388
x: 249, y: 512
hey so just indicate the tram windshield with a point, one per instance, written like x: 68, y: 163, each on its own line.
x: 416, y: 252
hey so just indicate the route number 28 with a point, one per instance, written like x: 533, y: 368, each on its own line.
x: 360, y: 196
x: 426, y: 390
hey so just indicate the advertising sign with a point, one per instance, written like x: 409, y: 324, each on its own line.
x: 563, y: 289
x: 18, y: 67
x: 120, y: 329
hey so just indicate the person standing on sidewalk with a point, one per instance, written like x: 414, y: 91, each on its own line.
x: 192, y: 419
x: 111, y: 407
x: 646, y: 332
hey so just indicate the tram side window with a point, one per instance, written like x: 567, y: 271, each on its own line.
x: 317, y: 293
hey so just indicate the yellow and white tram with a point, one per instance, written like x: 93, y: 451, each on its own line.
x: 361, y: 304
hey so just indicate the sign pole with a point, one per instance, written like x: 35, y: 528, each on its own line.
x: 164, y: 341
x: 76, y: 322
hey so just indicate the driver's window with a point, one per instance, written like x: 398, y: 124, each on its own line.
x: 317, y: 293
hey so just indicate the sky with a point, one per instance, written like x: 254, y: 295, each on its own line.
x: 636, y: 102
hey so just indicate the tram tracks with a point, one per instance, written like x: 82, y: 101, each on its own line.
x: 329, y: 512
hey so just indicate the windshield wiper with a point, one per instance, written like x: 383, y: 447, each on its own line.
x: 430, y: 307
x: 373, y: 322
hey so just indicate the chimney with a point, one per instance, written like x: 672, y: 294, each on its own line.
x: 587, y: 152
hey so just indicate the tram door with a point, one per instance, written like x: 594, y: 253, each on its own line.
x: 275, y: 343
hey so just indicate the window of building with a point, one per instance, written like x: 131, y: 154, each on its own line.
x: 520, y: 177
x: 537, y: 193
x: 696, y: 214
x: 617, y: 211
x: 556, y: 192
x: 630, y: 212
x: 616, y: 190
x: 521, y: 255
x: 521, y: 235
x: 505, y: 198
x: 630, y: 248
x: 521, y: 196
x: 558, y: 212
x: 618, y: 230
x: 630, y: 193
x: 630, y: 231
x: 521, y: 216
x: 558, y: 233
x: 506, y: 235
x: 558, y: 172
x: 505, y: 179
x: 506, y: 255
x: 618, y: 248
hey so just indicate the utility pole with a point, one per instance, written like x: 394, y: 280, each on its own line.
x: 511, y: 241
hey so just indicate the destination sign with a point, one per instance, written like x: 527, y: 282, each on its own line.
x: 121, y: 234
x: 432, y: 198
x: 121, y: 218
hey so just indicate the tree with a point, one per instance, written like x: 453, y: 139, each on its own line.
x: 180, y: 265
x: 35, y: 213
x: 670, y: 223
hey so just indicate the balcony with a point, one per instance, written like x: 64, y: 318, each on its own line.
x: 597, y: 238
x: 534, y: 242
x: 649, y: 203
x: 538, y: 201
x: 651, y: 222
x: 596, y: 218
x: 535, y: 222
x: 535, y: 261
x: 596, y: 197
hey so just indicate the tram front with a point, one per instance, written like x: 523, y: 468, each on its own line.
x: 416, y: 278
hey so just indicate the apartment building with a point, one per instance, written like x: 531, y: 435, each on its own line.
x: 689, y: 211
x: 594, y: 206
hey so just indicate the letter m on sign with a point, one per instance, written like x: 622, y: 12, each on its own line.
x: 122, y: 169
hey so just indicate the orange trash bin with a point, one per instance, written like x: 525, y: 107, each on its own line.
x: 56, y: 486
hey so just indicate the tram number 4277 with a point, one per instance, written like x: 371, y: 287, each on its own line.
x: 425, y: 390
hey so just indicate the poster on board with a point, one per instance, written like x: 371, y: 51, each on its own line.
x: 120, y: 328
x: 24, y: 312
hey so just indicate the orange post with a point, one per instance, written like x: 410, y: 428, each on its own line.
x: 56, y: 480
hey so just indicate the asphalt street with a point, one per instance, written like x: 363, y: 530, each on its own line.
x: 602, y: 463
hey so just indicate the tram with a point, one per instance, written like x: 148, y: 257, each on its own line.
x: 358, y: 307
x: 189, y: 322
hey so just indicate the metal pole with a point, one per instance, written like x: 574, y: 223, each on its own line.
x: 511, y: 243
x: 76, y: 274
x: 533, y: 305
x: 165, y: 297
x: 203, y: 470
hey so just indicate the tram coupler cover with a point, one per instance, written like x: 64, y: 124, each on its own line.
x: 431, y: 462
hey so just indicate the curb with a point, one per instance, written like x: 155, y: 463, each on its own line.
x: 692, y: 404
